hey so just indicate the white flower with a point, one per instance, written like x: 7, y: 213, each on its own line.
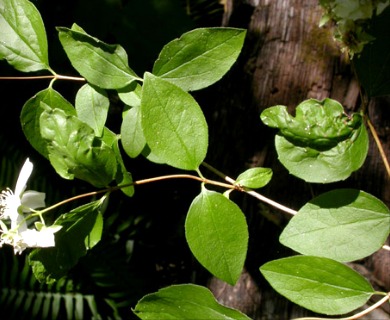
x: 14, y: 205
x: 42, y: 238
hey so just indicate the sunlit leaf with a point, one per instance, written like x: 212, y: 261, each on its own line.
x: 199, y: 57
x: 103, y: 65
x: 217, y: 234
x: 23, y: 37
x: 317, y: 124
x: 321, y: 143
x: 92, y: 107
x: 318, y: 284
x: 74, y: 151
x: 32, y: 111
x: 131, y: 96
x: 343, y: 224
x: 185, y: 301
x: 254, y: 178
x: 173, y: 124
x: 132, y: 135
x: 148, y: 154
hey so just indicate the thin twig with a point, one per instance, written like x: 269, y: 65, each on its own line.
x: 29, y: 77
x: 184, y: 176
x: 250, y: 192
x: 379, y: 145
x: 271, y: 202
x: 218, y: 173
x: 58, y: 76
x: 53, y: 76
x: 80, y: 196
x: 138, y: 182
x: 231, y: 185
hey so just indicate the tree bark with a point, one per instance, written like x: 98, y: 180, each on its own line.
x: 287, y: 58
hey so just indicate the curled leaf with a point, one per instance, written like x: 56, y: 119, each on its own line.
x: 317, y: 124
x: 321, y: 143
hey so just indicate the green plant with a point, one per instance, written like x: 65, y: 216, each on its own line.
x: 103, y: 285
x: 163, y: 123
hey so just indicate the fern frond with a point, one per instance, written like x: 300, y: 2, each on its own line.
x: 23, y: 304
x: 22, y: 297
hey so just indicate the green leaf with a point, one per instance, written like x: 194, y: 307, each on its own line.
x: 373, y: 64
x: 92, y: 106
x: 103, y: 65
x: 93, y: 238
x: 317, y: 124
x: 328, y: 166
x: 199, y: 57
x: 352, y: 9
x: 74, y: 151
x: 131, y: 96
x: 344, y: 225
x: 254, y: 178
x: 318, y: 284
x: 32, y: 111
x: 23, y: 37
x: 123, y: 177
x: 81, y: 230
x: 148, y: 154
x: 321, y: 143
x: 132, y: 135
x: 173, y: 124
x: 185, y: 301
x: 217, y: 234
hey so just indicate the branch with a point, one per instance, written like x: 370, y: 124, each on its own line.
x: 138, y: 182
x: 53, y: 76
x: 379, y: 145
x: 249, y: 191
x: 29, y: 77
x: 231, y: 186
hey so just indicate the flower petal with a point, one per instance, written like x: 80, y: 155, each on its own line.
x: 42, y: 239
x: 33, y: 199
x: 10, y: 204
x: 24, y: 175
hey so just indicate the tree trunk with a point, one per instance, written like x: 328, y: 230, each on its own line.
x: 287, y: 58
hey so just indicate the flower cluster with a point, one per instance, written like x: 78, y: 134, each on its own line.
x: 16, y: 207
